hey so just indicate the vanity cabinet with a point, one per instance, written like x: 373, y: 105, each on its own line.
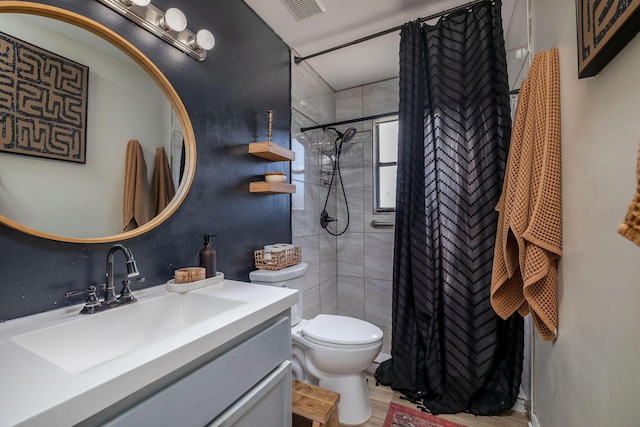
x: 248, y: 383
x: 218, y: 354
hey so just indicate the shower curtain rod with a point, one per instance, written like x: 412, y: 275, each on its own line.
x: 298, y: 59
x: 344, y: 122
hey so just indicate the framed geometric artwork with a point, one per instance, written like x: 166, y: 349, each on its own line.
x: 43, y: 102
x: 604, y: 28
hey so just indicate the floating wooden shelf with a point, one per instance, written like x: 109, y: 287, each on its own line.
x: 271, y: 187
x: 270, y: 151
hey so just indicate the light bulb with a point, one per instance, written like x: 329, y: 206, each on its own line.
x: 174, y: 20
x: 204, y: 40
x: 141, y: 3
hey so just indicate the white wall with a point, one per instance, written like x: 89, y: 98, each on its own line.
x: 590, y: 376
x: 85, y: 200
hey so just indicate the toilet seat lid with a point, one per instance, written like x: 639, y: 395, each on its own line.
x: 336, y: 329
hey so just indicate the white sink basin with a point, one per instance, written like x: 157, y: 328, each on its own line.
x: 92, y: 339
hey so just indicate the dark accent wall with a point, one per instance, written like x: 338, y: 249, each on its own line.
x: 227, y: 97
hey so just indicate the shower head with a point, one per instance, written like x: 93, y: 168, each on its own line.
x: 347, y: 135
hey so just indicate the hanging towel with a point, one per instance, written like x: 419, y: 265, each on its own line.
x: 162, y: 188
x: 529, y: 234
x: 630, y: 227
x: 137, y: 202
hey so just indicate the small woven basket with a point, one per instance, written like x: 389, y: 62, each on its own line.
x: 278, y: 260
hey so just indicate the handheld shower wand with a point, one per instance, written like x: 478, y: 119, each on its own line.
x: 325, y: 219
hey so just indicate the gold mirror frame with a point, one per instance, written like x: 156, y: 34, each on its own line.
x: 166, y: 87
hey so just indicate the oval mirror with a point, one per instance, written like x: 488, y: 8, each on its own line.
x: 127, y: 98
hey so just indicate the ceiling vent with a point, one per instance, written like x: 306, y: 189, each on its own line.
x: 303, y: 9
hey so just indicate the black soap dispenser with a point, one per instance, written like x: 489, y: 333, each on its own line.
x: 208, y: 257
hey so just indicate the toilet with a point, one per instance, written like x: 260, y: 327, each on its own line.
x: 329, y: 350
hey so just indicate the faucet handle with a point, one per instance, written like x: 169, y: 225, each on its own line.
x: 125, y: 294
x: 91, y: 303
x: 75, y: 293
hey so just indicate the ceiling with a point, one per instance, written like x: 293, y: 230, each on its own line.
x: 348, y: 20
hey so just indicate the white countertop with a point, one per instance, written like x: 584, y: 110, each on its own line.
x: 35, y: 391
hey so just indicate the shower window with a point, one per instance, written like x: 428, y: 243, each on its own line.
x: 385, y: 142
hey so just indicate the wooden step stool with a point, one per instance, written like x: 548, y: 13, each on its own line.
x: 315, y: 404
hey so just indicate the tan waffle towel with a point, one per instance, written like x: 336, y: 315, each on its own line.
x: 529, y: 234
x: 162, y: 188
x: 137, y: 201
x: 630, y: 227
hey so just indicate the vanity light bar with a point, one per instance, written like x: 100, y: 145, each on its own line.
x: 170, y: 26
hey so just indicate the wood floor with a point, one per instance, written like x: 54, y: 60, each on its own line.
x: 381, y: 397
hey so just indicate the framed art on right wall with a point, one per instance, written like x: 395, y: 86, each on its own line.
x: 604, y: 28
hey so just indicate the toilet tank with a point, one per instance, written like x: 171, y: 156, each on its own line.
x: 290, y: 277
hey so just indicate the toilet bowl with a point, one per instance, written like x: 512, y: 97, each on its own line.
x: 331, y: 351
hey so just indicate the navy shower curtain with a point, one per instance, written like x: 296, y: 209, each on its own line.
x: 450, y: 351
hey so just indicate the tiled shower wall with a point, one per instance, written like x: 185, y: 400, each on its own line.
x: 365, y: 252
x: 313, y: 102
x: 349, y: 274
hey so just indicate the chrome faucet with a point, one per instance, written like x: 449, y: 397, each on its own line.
x: 132, y: 271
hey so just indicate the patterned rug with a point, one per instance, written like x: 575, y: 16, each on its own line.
x: 402, y: 416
